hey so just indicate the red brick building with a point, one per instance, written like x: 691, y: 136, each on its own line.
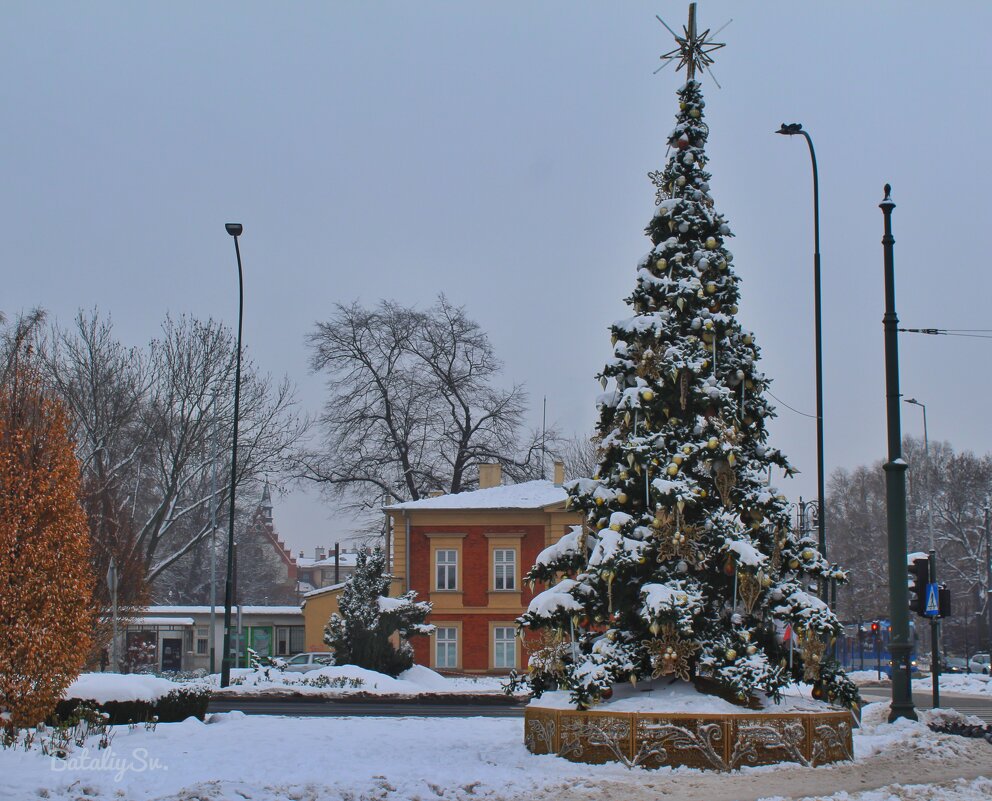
x: 467, y: 554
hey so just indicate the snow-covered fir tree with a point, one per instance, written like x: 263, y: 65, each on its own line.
x: 687, y: 566
x: 360, y: 634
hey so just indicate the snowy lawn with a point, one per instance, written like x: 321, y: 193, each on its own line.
x: 234, y: 756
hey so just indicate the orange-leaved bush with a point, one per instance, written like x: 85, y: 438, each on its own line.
x: 46, y: 610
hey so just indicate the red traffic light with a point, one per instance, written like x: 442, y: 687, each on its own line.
x: 874, y: 626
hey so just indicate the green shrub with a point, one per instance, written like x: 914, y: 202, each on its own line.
x: 177, y: 705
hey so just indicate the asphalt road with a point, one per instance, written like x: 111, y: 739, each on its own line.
x: 966, y: 704
x: 305, y: 707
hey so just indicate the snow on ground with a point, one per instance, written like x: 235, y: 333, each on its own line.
x: 263, y: 758
x: 960, y: 790
x: 962, y: 683
x: 332, y: 681
x: 104, y: 687
x: 339, y: 680
x: 667, y: 696
x: 863, y: 677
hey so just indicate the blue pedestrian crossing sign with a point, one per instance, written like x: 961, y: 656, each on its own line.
x: 933, y: 600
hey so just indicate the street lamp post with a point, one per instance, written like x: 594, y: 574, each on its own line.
x: 234, y: 229
x: 793, y: 129
x: 895, y: 489
x: 934, y: 621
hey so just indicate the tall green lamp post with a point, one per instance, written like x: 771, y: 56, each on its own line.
x: 895, y: 490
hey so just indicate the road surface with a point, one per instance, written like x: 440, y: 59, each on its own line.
x: 319, y: 707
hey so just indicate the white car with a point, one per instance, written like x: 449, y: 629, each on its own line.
x: 301, y: 663
x: 979, y: 663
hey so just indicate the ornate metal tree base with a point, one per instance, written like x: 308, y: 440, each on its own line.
x: 708, y: 741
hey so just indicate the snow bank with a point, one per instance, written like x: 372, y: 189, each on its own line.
x: 104, y: 687
x: 338, y: 680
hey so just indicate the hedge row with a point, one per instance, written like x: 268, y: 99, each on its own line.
x: 177, y: 705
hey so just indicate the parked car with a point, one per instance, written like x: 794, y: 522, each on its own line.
x: 301, y: 663
x: 979, y: 663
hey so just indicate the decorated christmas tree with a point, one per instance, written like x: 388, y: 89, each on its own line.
x: 687, y: 567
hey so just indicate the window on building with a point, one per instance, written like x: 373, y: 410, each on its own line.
x: 505, y: 569
x: 446, y: 647
x: 282, y: 641
x: 504, y: 647
x: 447, y: 570
x: 188, y: 640
x: 202, y: 646
x: 297, y: 639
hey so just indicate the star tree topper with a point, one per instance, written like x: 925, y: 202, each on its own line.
x: 694, y: 48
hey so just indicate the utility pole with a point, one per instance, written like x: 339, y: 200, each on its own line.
x: 213, y: 540
x: 112, y: 586
x: 895, y: 489
x: 988, y: 574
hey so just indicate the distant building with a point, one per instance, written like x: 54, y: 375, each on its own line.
x: 267, y: 573
x: 467, y: 554
x: 177, y: 638
x: 325, y: 569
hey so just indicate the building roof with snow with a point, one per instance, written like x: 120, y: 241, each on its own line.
x: 539, y: 494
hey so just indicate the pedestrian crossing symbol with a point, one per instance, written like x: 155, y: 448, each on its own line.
x: 933, y: 600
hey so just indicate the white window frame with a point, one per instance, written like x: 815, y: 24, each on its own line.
x: 446, y: 569
x: 446, y: 647
x: 202, y: 646
x: 505, y: 570
x: 504, y: 647
x: 283, y: 637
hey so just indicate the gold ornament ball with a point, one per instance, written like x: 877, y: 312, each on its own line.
x: 661, y: 264
x: 673, y: 470
x: 599, y: 501
x: 702, y: 493
x: 687, y: 449
x: 694, y: 113
x: 793, y: 563
x: 808, y: 554
x: 677, y: 459
x: 711, y: 243
x: 711, y: 287
x: 751, y: 650
x: 731, y: 654
x: 748, y: 339
x: 648, y: 395
x: 622, y: 497
x: 713, y: 443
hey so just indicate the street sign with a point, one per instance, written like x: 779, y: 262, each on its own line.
x: 933, y: 600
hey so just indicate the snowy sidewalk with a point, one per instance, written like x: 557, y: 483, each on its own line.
x: 468, y: 759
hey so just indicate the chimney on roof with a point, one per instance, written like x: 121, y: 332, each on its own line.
x: 319, y: 553
x: 490, y: 475
x: 559, y: 473
x: 301, y: 554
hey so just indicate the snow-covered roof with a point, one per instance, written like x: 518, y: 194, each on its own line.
x: 161, y: 621
x: 347, y: 560
x: 526, y: 495
x: 322, y: 590
x: 205, y: 610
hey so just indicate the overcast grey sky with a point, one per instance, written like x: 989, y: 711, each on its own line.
x: 498, y: 151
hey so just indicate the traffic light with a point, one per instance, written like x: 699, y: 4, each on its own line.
x: 944, y: 596
x: 875, y: 628
x: 919, y: 575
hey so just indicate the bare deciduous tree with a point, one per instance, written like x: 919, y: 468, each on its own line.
x: 149, y: 423
x: 413, y: 405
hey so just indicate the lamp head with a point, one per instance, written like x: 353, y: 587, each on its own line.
x: 790, y: 129
x: 914, y: 401
x: 234, y: 229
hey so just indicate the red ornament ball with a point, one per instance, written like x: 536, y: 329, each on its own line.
x: 683, y: 142
x: 607, y: 694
